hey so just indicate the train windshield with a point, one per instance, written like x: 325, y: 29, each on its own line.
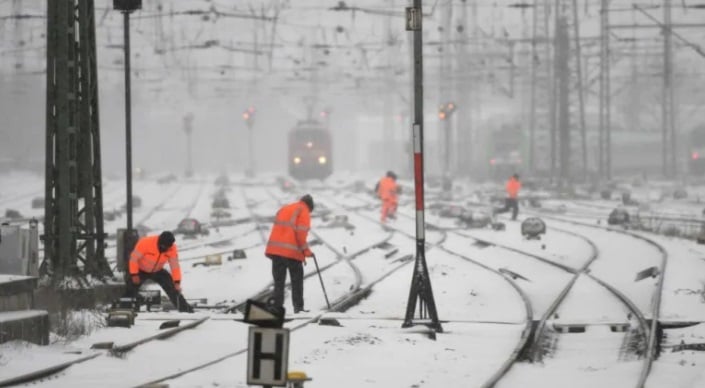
x: 309, y: 138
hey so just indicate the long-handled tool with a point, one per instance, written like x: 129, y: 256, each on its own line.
x: 321, y: 279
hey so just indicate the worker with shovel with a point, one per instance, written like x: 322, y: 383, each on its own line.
x: 288, y: 250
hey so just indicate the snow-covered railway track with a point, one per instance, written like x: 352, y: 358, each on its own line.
x: 633, y: 322
x: 543, y: 331
x: 107, y: 355
x: 374, y: 271
x: 343, y: 295
x: 513, y: 353
x: 653, y: 301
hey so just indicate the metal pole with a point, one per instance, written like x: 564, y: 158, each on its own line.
x: 668, y: 135
x: 532, y: 102
x: 581, y: 91
x: 604, y: 92
x: 421, y: 284
x: 128, y: 121
x: 318, y: 271
x: 447, y: 128
x: 417, y: 133
x: 251, y: 153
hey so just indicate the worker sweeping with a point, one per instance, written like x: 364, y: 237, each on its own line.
x: 287, y: 249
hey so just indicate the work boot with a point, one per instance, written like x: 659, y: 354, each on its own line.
x: 301, y: 310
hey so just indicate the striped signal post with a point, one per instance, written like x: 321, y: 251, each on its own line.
x: 420, y: 291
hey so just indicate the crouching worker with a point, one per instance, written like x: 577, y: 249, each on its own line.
x: 147, y: 262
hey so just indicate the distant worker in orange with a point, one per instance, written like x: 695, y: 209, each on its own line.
x: 511, y: 202
x: 388, y: 192
x: 288, y: 250
x: 147, y: 262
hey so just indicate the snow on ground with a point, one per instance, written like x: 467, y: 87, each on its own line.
x: 482, y: 315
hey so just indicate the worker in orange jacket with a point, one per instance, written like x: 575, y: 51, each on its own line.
x: 147, y: 261
x: 387, y: 191
x: 512, y: 188
x: 288, y: 250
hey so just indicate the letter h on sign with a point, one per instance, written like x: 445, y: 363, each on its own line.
x: 268, y: 356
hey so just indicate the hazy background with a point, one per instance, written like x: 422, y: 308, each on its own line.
x: 285, y: 58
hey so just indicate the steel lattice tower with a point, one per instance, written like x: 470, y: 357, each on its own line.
x: 604, y: 137
x: 569, y: 93
x: 668, y: 109
x: 541, y: 109
x: 73, y: 221
x: 557, y: 91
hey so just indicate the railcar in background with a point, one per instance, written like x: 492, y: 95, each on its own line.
x: 310, y: 155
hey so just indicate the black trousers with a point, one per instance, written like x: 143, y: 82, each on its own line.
x: 164, y: 279
x: 296, y: 272
x: 510, y: 204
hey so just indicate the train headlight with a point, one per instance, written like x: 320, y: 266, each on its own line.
x: 297, y: 160
x: 322, y: 160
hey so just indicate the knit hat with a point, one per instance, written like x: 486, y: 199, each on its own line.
x: 166, y: 240
x: 308, y: 200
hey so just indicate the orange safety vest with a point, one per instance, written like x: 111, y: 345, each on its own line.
x: 387, y: 189
x: 146, y: 258
x: 289, y: 232
x: 513, y: 187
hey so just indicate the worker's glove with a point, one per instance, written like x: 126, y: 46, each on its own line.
x: 135, y: 279
x: 177, y: 286
x: 308, y: 253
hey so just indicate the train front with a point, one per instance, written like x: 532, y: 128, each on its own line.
x: 310, y: 153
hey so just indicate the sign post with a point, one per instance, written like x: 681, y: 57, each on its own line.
x: 268, y: 345
x: 268, y: 356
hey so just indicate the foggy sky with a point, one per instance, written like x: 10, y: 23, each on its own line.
x: 355, y: 64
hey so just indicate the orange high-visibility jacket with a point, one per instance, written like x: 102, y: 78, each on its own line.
x: 387, y: 189
x: 513, y: 187
x: 146, y: 258
x: 290, y: 231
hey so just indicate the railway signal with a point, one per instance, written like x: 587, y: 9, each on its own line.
x: 446, y: 110
x: 249, y: 116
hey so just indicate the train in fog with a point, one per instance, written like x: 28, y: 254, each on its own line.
x: 310, y: 155
x: 633, y: 153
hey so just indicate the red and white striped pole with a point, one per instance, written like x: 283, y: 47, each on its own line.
x: 420, y: 283
x: 419, y: 185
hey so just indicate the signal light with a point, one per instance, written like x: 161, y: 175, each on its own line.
x: 249, y: 116
x: 445, y: 110
x: 695, y: 155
